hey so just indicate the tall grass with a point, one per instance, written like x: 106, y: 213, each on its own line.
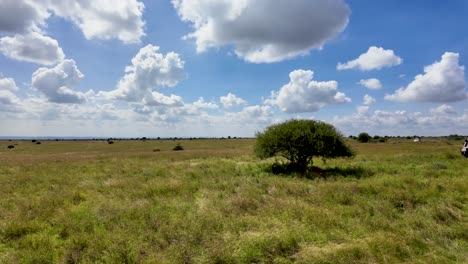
x: 214, y: 202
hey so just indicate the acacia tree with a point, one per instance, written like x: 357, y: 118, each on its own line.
x: 364, y: 137
x: 299, y: 141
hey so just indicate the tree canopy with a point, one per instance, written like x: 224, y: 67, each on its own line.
x: 299, y: 141
x: 364, y: 137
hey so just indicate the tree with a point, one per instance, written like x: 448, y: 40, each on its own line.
x: 299, y: 141
x: 364, y: 137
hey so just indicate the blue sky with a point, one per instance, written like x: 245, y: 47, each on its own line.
x: 230, y: 68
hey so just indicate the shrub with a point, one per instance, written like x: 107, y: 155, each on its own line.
x: 364, y: 137
x: 299, y: 141
x: 11, y: 146
x: 178, y: 147
x: 156, y: 150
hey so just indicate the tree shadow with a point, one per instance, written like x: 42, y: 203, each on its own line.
x: 357, y: 172
x: 286, y: 170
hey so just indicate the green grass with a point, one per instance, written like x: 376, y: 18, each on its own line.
x: 214, y: 202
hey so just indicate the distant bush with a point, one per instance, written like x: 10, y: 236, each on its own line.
x: 33, y: 141
x: 38, y: 143
x: 11, y: 146
x: 156, y: 150
x: 363, y: 137
x: 110, y: 142
x: 382, y: 140
x: 178, y: 147
x: 455, y: 137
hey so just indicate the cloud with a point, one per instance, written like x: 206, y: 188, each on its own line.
x: 32, y: 47
x: 302, y: 94
x: 97, y: 19
x: 401, y: 123
x: 103, y: 19
x: 375, y: 58
x: 57, y: 83
x: 231, y: 100
x: 158, y: 99
x: 21, y: 16
x: 251, y: 115
x: 202, y: 104
x: 362, y: 109
x: 149, y: 70
x: 264, y: 31
x: 7, y: 96
x: 8, y: 84
x: 443, y: 81
x: 377, y: 122
x: 368, y: 100
x: 373, y: 84
x: 443, y: 110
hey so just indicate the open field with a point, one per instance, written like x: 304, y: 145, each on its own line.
x: 214, y: 202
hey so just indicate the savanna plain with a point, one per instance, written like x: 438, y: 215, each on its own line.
x: 214, y: 202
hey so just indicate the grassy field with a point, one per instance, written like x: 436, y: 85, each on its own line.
x: 214, y: 202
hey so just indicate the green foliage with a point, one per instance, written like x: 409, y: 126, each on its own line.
x: 178, y: 147
x: 364, y: 137
x: 299, y: 141
x: 456, y: 137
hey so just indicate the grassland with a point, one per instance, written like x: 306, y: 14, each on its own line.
x: 214, y: 202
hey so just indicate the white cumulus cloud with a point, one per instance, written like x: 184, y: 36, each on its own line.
x: 97, y: 19
x: 264, y: 31
x: 8, y: 84
x: 443, y: 81
x: 373, y: 83
x: 302, y: 94
x: 231, y: 100
x: 368, y: 100
x: 57, y: 83
x: 375, y: 58
x: 103, y: 19
x: 202, y: 104
x: 441, y: 120
x: 21, y: 16
x: 7, y: 97
x: 149, y: 70
x: 32, y: 47
x: 443, y: 110
x: 159, y: 99
x: 251, y: 114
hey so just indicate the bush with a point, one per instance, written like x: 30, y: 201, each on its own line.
x: 178, y: 147
x: 299, y: 141
x: 364, y: 137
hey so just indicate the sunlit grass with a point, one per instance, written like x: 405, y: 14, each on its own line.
x: 214, y: 202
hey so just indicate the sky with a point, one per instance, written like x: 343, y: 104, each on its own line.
x: 218, y: 68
